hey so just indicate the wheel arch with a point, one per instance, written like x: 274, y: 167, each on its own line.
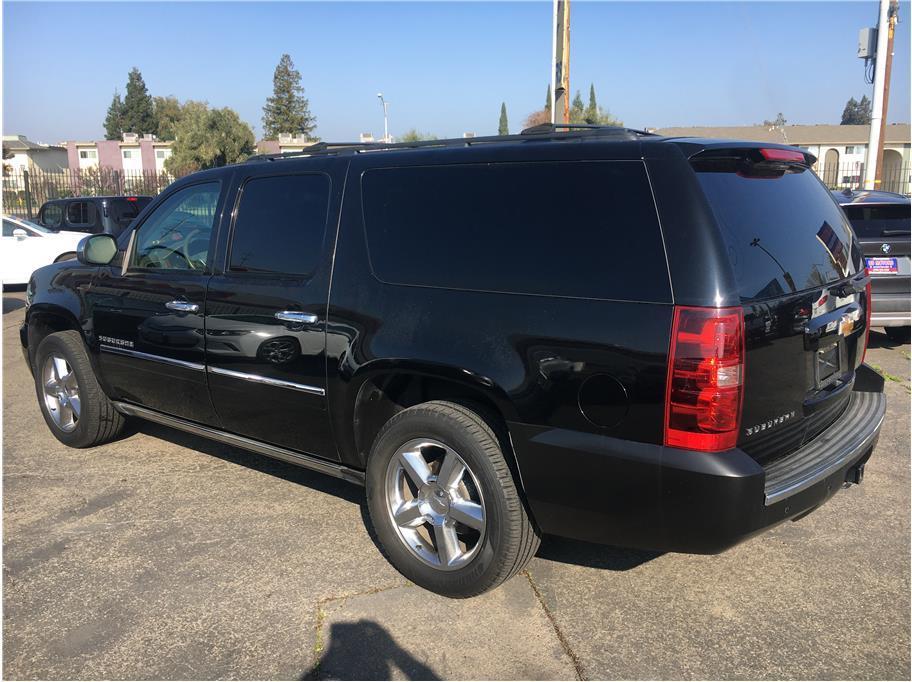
x: 44, y: 319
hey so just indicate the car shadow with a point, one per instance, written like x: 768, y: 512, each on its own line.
x: 364, y: 650
x: 267, y: 465
x: 552, y: 548
x: 10, y: 304
x: 590, y: 555
x: 881, y: 340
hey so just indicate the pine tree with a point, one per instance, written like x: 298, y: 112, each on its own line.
x: 577, y: 111
x: 592, y: 111
x: 864, y: 110
x: 113, y: 122
x: 138, y: 111
x: 548, y: 99
x: 856, y: 113
x: 503, y: 128
x: 287, y: 110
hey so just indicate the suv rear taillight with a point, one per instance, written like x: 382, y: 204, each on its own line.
x: 705, y: 386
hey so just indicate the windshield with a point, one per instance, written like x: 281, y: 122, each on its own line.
x: 33, y: 226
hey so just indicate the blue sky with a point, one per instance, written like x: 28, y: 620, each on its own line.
x: 444, y: 67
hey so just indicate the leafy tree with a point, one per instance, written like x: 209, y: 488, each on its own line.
x: 503, y: 128
x: 287, y: 110
x: 168, y: 112
x: 208, y: 138
x: 113, y: 122
x: 577, y: 112
x: 857, y: 113
x: 537, y: 118
x: 414, y: 135
x: 138, y: 114
x: 548, y: 101
x: 778, y: 123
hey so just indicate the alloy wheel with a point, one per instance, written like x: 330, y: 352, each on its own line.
x: 435, y: 503
x: 61, y: 392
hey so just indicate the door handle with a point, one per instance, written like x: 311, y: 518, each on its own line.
x: 182, y: 306
x: 296, y: 316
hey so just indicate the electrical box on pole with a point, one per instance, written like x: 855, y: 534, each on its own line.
x: 867, y: 43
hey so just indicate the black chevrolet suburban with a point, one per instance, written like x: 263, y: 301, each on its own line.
x: 591, y: 332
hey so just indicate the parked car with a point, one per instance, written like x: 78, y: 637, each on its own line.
x: 881, y: 221
x: 596, y: 333
x: 27, y: 246
x: 92, y: 215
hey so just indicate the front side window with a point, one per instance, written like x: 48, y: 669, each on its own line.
x: 280, y: 225
x: 176, y: 236
x: 9, y: 227
x: 52, y: 215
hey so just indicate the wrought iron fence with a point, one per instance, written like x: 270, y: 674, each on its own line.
x: 24, y: 191
x: 894, y: 178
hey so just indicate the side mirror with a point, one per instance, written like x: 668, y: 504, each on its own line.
x: 20, y: 234
x: 96, y: 249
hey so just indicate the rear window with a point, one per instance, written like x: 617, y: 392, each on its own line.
x: 581, y: 229
x: 783, y: 230
x: 122, y: 211
x: 875, y: 222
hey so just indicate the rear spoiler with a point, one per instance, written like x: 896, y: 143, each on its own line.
x: 760, y: 151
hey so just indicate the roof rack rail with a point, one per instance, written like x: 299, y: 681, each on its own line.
x: 545, y: 131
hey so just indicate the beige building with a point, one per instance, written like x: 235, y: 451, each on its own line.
x: 840, y: 149
x: 27, y: 155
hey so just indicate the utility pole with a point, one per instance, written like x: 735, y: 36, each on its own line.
x: 888, y: 69
x: 560, y: 63
x: 882, y: 65
x: 385, y: 105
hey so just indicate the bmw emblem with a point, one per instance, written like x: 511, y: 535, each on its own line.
x: 886, y: 248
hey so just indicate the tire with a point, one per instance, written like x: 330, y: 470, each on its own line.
x: 91, y: 419
x: 470, y: 559
x: 69, y: 255
x: 898, y: 334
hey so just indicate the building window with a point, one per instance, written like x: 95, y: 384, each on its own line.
x: 128, y: 153
x: 160, y: 154
x: 850, y: 150
x: 88, y: 154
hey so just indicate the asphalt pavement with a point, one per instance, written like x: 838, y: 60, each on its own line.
x: 164, y: 555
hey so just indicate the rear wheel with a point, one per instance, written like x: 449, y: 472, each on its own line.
x: 75, y: 408
x: 443, y: 501
x: 898, y: 334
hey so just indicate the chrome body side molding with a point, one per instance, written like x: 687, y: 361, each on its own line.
x: 269, y: 381
x: 153, y: 358
x: 306, y: 461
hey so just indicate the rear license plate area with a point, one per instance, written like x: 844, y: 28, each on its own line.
x: 827, y: 365
x: 882, y: 266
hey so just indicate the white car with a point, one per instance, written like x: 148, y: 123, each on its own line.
x: 25, y: 247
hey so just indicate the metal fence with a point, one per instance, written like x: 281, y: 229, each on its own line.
x: 24, y: 191
x: 894, y: 178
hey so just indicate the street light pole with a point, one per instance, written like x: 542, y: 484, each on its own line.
x: 385, y: 105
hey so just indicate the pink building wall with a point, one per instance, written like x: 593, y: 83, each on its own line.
x: 109, y: 154
x: 147, y: 153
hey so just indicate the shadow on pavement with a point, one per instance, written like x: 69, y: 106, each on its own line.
x: 289, y: 472
x: 879, y: 339
x: 10, y: 304
x: 365, y: 651
x: 580, y: 553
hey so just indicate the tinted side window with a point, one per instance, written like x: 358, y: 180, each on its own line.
x: 52, y: 215
x: 583, y: 229
x: 280, y: 224
x: 869, y: 222
x: 80, y: 213
x: 176, y: 236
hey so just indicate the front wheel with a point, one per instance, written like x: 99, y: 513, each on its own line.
x: 444, y: 503
x: 75, y: 408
